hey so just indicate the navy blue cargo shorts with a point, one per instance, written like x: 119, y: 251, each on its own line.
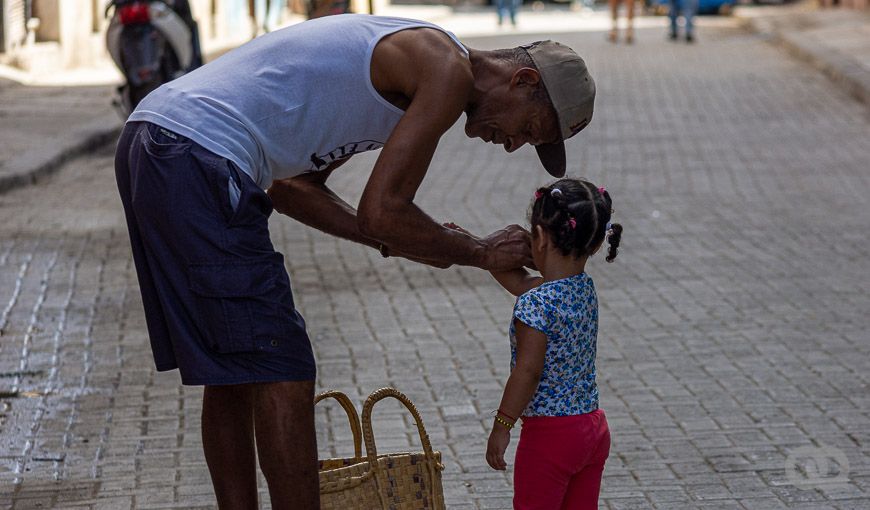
x: 217, y: 298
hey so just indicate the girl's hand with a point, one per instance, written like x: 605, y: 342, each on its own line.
x: 496, y: 446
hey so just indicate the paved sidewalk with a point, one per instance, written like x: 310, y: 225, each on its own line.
x: 835, y: 41
x: 42, y: 127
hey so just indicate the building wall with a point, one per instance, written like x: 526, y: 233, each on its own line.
x: 71, y: 33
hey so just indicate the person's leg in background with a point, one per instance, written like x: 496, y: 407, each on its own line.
x: 500, y: 9
x: 614, y: 13
x: 258, y: 11
x: 514, y: 6
x: 629, y: 32
x: 673, y: 12
x: 272, y: 16
x: 690, y: 7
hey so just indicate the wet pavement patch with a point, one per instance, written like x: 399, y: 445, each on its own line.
x: 22, y: 373
x: 49, y: 457
x: 19, y: 394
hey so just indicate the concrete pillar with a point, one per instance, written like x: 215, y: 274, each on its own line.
x: 203, y: 13
x: 76, y: 21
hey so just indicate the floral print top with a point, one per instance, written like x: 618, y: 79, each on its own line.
x: 566, y: 311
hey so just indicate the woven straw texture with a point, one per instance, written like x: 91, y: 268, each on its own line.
x: 395, y: 481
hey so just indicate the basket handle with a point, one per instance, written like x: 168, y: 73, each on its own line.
x: 368, y: 433
x: 352, y: 417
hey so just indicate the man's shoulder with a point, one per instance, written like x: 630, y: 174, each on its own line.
x: 428, y: 47
x: 423, y: 61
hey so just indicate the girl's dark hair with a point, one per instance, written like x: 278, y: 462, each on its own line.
x: 576, y: 214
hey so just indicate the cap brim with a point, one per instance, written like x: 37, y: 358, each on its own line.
x: 553, y: 158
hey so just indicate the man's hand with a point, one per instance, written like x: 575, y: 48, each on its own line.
x: 496, y: 446
x: 508, y: 248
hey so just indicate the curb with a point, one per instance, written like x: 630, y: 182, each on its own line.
x: 36, y: 164
x: 847, y: 75
x: 33, y: 165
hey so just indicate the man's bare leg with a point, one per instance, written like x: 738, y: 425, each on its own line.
x: 287, y: 444
x: 228, y: 441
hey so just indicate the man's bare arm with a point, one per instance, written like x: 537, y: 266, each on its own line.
x: 439, y: 83
x: 307, y: 199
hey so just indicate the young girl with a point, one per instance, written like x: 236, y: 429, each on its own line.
x: 565, y: 439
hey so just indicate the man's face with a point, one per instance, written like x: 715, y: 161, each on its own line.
x: 512, y: 117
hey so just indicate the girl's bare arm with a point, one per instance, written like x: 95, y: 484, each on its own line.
x: 520, y: 387
x: 517, y: 281
x: 524, y: 379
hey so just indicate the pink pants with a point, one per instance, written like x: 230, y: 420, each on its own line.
x: 560, y: 461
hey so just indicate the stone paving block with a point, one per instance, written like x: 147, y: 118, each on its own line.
x: 858, y: 504
x: 42, y: 502
x: 724, y: 505
x: 628, y: 503
x: 815, y: 506
x: 122, y: 503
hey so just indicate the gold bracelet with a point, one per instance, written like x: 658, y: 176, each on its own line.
x: 499, y: 419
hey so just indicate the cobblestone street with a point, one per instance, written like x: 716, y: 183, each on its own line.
x: 734, y: 339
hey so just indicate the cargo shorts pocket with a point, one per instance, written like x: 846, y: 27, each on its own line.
x: 235, y: 305
x: 162, y: 143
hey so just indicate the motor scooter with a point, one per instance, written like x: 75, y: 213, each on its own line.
x: 152, y: 42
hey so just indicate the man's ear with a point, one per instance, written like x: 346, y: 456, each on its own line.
x: 525, y: 76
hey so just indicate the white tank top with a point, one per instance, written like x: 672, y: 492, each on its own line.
x: 289, y: 102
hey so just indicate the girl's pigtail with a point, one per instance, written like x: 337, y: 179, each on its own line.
x: 614, y: 235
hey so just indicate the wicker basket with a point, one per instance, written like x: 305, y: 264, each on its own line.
x: 395, y: 481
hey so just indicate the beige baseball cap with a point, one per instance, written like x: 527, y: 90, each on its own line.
x: 572, y: 92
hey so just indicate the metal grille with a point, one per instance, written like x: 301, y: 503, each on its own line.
x: 15, y: 21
